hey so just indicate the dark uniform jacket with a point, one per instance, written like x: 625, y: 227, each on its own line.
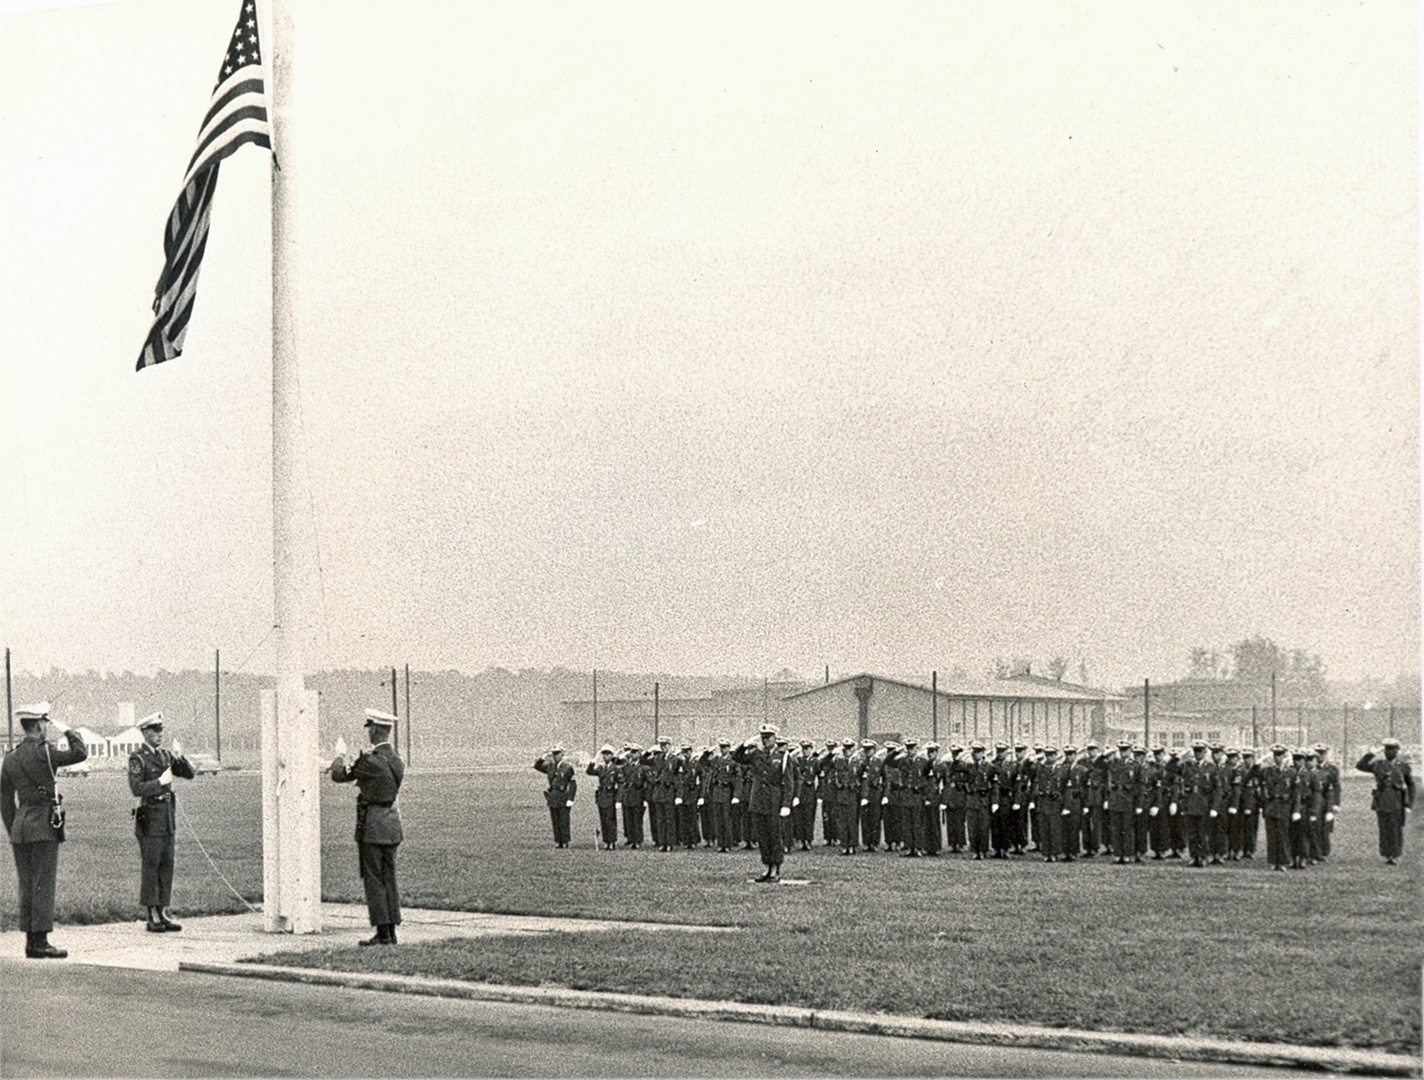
x: 608, y: 778
x: 1199, y: 787
x: 563, y: 785
x: 27, y: 787
x: 1394, y: 783
x: 155, y: 814
x: 772, y: 787
x: 378, y: 773
x: 844, y: 775
x: 872, y: 779
x: 1122, y: 785
x: 954, y: 783
x: 983, y: 784
x: 1277, y: 791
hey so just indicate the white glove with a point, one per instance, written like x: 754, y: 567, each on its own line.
x: 1329, y: 817
x: 340, y: 746
x: 1015, y: 806
x: 1295, y: 816
x: 1067, y: 812
x: 1172, y: 808
x: 1032, y: 805
x: 166, y: 777
x: 1152, y: 812
x: 786, y: 811
x: 796, y: 801
x: 701, y: 802
x: 177, y: 747
x: 885, y: 800
x: 677, y: 802
x: 1334, y: 809
x: 1105, y: 804
x: 864, y: 802
x: 1231, y: 809
x: 618, y: 806
x: 993, y: 808
x: 1213, y: 813
x: 569, y: 803
x: 1086, y: 809
x: 1137, y: 809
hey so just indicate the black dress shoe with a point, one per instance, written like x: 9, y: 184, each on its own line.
x: 379, y: 939
x: 45, y: 952
x: 765, y: 877
x: 155, y: 927
x: 171, y: 926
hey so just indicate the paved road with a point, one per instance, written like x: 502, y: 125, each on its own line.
x: 144, y: 1023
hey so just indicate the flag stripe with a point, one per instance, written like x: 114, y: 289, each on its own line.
x: 237, y: 114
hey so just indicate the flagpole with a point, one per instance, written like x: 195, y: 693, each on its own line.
x: 291, y: 780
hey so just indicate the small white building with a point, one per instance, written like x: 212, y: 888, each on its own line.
x: 125, y: 742
x: 96, y: 744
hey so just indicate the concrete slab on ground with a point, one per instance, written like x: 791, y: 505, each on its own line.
x: 225, y: 939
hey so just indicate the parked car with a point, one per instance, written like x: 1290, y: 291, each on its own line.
x: 80, y: 769
x: 204, y: 763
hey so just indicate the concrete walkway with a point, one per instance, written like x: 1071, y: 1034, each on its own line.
x: 225, y: 939
x: 214, y: 943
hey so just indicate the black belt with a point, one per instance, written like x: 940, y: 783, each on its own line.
x: 48, y: 800
x: 385, y: 804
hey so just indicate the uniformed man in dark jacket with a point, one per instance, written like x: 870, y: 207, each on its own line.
x: 607, y: 768
x: 723, y: 773
x: 873, y: 796
x: 378, y: 773
x: 1199, y: 796
x: 32, y: 813
x: 1122, y: 803
x: 563, y: 786
x: 1393, y: 796
x: 151, y: 773
x: 631, y: 792
x: 771, y: 795
x: 1277, y: 805
x: 983, y: 794
x: 843, y: 773
x: 1248, y: 807
x: 954, y: 795
x: 1330, y: 797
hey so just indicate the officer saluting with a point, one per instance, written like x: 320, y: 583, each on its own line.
x: 32, y: 816
x: 378, y: 773
x: 561, y: 791
x: 151, y: 773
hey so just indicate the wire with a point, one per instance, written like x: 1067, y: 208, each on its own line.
x: 193, y: 833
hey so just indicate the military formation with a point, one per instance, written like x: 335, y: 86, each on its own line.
x: 1206, y: 807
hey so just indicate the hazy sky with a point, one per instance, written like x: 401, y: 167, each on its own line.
x: 720, y: 338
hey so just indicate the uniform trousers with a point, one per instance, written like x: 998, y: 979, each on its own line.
x: 559, y: 817
x: 686, y: 816
x: 1093, y: 828
x: 1198, y: 837
x: 805, y: 818
x: 1159, y: 831
x: 1001, y: 828
x: 933, y: 841
x: 608, y: 822
x: 954, y: 821
x: 633, y: 821
x: 1071, y: 824
x: 846, y: 811
x: 870, y: 816
x: 378, y: 875
x: 1299, y: 838
x: 1248, y: 825
x: 1326, y: 829
x: 890, y: 820
x: 1124, y: 833
x: 1219, y: 826
x: 155, y: 887
x: 663, y: 826
x: 978, y: 820
x: 768, y: 832
x: 741, y: 828
x: 828, y: 820
x: 706, y: 814
x: 1142, y: 825
x: 1050, y: 827
x: 1277, y: 843
x: 912, y: 826
x: 1177, y: 831
x: 1391, y: 832
x: 36, y: 865
x: 722, y: 823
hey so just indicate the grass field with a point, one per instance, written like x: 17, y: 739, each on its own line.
x: 1328, y: 956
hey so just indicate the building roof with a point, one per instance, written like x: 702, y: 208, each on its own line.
x: 983, y: 689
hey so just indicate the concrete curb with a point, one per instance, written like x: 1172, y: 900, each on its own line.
x: 1180, y: 1048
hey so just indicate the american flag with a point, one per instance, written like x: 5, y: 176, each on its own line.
x: 237, y: 115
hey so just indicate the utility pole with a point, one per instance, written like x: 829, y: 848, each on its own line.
x: 9, y: 705
x: 1147, y: 713
x: 655, y: 713
x: 395, y: 731
x: 408, y: 740
x: 828, y: 674
x: 595, y: 710
x: 934, y: 705
x: 1273, y: 708
x: 217, y: 702
x: 1345, y: 735
x: 1255, y: 737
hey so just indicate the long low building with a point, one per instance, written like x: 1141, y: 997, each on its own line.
x: 1025, y: 708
